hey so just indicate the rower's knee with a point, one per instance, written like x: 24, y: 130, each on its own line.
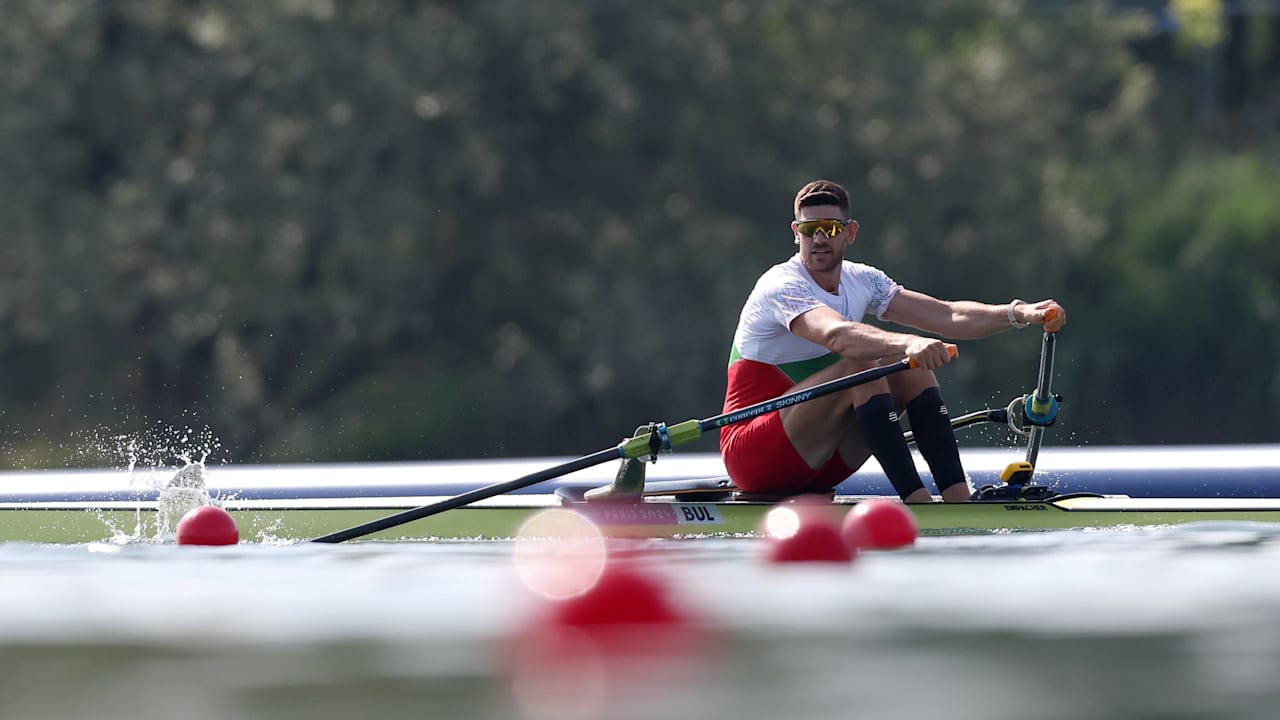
x: 848, y: 366
x: 859, y: 394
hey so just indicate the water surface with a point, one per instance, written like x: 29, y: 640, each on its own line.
x: 1155, y: 623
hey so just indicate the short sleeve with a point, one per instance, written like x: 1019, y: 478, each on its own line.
x: 792, y: 298
x: 881, y: 290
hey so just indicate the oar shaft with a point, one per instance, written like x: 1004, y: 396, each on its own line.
x: 1046, y: 368
x: 471, y: 496
x: 799, y: 396
x: 643, y: 445
x: 993, y: 415
x: 1041, y: 403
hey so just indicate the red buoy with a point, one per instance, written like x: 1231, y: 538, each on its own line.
x: 609, y: 645
x: 208, y: 525
x: 622, y: 596
x: 804, y: 532
x: 811, y: 542
x: 879, y: 525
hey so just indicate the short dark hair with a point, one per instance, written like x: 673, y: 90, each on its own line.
x: 822, y: 192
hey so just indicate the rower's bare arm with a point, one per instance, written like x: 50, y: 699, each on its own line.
x: 860, y: 341
x: 968, y: 319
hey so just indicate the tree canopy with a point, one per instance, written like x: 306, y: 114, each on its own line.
x: 370, y: 231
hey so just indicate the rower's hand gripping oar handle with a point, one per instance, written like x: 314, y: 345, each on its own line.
x: 952, y: 350
x: 662, y: 438
x: 1050, y: 314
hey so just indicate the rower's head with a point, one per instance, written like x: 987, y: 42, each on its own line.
x: 822, y: 226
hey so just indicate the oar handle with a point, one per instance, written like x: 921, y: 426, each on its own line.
x: 951, y: 350
x: 1050, y: 314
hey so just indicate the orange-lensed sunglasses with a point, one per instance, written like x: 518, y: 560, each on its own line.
x: 830, y: 228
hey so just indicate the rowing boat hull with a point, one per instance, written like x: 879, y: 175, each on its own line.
x: 266, y: 522
x: 303, y: 502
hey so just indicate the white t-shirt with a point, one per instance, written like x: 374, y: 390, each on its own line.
x: 786, y: 291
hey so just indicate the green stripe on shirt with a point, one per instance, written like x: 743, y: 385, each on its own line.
x: 798, y: 370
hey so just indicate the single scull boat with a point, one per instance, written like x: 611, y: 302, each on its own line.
x: 688, y: 496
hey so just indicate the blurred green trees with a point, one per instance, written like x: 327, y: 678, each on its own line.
x: 368, y: 230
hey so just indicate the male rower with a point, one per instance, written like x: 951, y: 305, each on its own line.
x: 802, y: 325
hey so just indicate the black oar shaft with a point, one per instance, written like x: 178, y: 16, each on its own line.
x: 1046, y: 368
x: 645, y: 445
x: 799, y: 396
x: 635, y: 447
x: 1041, y: 401
x: 992, y: 415
x: 471, y: 496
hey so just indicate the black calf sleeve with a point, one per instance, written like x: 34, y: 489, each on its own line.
x: 935, y: 437
x: 882, y: 432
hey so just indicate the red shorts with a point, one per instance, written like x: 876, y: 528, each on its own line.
x: 757, y: 453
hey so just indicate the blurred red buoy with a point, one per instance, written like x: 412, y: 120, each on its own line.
x: 621, y: 596
x: 800, y: 534
x: 879, y: 525
x: 208, y: 525
x: 609, y: 645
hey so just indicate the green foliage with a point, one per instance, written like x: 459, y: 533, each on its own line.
x: 1194, y: 294
x: 1202, y: 22
x: 365, y: 230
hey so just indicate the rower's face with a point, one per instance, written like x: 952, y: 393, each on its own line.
x: 821, y: 251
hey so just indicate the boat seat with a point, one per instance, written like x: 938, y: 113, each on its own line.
x: 695, y: 490
x: 691, y: 490
x: 780, y: 498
